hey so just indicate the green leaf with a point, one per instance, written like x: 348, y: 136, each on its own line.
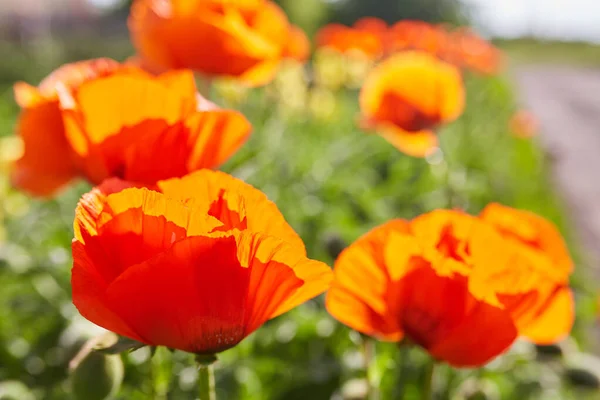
x: 123, y: 344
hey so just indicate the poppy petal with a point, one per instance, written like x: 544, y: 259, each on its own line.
x: 440, y: 314
x: 533, y: 231
x: 102, y: 107
x: 203, y: 305
x: 357, y: 297
x: 26, y: 95
x: 236, y: 201
x: 88, y: 293
x: 46, y: 164
x: 92, y: 203
x: 416, y: 144
x: 555, y: 322
x: 97, y: 210
x: 215, y: 135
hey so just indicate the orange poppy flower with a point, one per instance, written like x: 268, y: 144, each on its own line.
x: 219, y: 276
x: 366, y: 36
x: 411, y: 279
x: 47, y: 164
x: 372, y: 24
x: 523, y: 125
x: 127, y: 124
x: 448, y: 282
x: 407, y: 96
x: 417, y: 35
x: 542, y: 255
x: 471, y: 51
x: 242, y: 39
x: 298, y: 46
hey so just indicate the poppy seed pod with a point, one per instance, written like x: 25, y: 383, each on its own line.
x: 94, y: 375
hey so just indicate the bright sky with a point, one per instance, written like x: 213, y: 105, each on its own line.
x: 557, y: 19
x: 104, y: 3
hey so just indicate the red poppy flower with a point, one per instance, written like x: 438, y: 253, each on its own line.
x: 372, y: 24
x: 418, y: 35
x: 163, y: 271
x: 407, y: 96
x: 432, y: 280
x: 124, y: 123
x: 243, y: 39
x: 471, y: 51
x: 366, y: 36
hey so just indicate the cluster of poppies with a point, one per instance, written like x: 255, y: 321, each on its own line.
x: 375, y: 39
x: 169, y: 252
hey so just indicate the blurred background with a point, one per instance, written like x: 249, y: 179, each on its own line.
x: 339, y: 184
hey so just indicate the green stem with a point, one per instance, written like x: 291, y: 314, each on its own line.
x: 428, y: 381
x: 206, y: 377
x: 404, y: 367
x: 161, y: 371
x: 368, y: 350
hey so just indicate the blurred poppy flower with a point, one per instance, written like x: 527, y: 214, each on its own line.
x: 536, y: 272
x: 523, y: 124
x: 372, y: 24
x: 417, y: 35
x: 219, y: 276
x: 242, y: 39
x: 298, y: 46
x: 127, y: 124
x: 47, y: 160
x: 471, y: 51
x: 407, y: 96
x: 366, y: 36
x: 431, y: 280
x: 461, y: 47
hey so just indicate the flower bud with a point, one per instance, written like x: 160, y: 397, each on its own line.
x: 583, y: 371
x: 94, y: 375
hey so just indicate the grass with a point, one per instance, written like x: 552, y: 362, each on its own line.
x: 332, y: 183
x: 535, y: 51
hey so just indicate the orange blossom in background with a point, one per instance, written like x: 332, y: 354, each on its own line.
x: 97, y: 119
x: 407, y: 96
x: 236, y: 38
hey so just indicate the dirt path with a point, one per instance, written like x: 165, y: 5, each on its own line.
x: 567, y: 102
